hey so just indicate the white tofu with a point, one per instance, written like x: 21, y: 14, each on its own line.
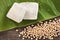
x: 31, y: 10
x: 16, y: 13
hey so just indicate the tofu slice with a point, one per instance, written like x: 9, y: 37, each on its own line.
x: 31, y: 10
x: 16, y: 13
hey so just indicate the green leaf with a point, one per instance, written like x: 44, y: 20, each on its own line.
x: 47, y: 9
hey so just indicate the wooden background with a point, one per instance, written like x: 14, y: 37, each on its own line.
x: 13, y: 35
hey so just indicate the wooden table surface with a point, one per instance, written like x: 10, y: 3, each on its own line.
x: 13, y: 35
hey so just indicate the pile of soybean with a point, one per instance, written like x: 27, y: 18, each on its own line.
x: 46, y: 29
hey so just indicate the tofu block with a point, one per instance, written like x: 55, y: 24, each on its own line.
x: 16, y: 13
x: 31, y: 10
